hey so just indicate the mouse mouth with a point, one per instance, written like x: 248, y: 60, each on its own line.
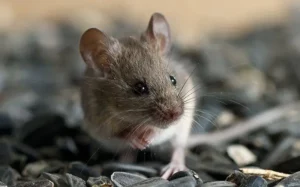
x: 137, y: 137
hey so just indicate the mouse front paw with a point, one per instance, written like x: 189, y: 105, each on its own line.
x: 171, y: 169
x: 140, y: 144
x: 177, y: 163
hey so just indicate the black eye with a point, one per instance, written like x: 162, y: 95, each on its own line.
x: 173, y: 80
x: 140, y: 88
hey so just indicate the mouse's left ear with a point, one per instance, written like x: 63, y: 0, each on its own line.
x: 158, y: 33
x: 98, y: 50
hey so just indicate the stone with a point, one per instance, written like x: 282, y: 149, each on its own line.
x: 8, y: 175
x: 258, y: 142
x: 204, y: 176
x: 254, y: 181
x: 31, y: 154
x: 42, y: 130
x: 215, y: 169
x: 241, y: 155
x: 81, y: 170
x: 154, y: 181
x: 121, y: 179
x: 66, y: 180
x: 187, y: 181
x: 7, y: 126
x: 2, y: 184
x: 6, y: 152
x: 236, y: 177
x: 67, y: 147
x: 218, y: 184
x: 292, y: 180
x: 101, y: 181
x: 16, y: 105
x: 281, y: 151
x: 35, y: 169
x: 225, y: 119
x: 242, y: 180
x: 181, y: 174
x: 38, y: 183
x: 109, y: 168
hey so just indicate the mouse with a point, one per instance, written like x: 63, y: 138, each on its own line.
x: 135, y: 93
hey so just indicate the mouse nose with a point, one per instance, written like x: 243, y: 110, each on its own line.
x: 172, y: 114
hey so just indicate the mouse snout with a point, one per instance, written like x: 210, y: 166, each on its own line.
x: 172, y: 114
x: 168, y: 112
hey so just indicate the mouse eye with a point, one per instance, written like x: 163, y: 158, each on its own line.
x: 173, y: 80
x: 140, y: 88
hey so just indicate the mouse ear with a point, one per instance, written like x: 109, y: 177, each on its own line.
x: 158, y: 32
x: 97, y: 50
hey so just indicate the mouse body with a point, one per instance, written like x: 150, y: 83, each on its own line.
x: 135, y: 94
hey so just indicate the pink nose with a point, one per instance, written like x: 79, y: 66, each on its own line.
x: 172, y: 114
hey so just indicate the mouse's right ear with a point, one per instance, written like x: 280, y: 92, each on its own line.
x: 158, y: 33
x: 97, y: 50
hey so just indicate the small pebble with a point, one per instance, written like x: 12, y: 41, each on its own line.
x: 280, y: 151
x: 42, y: 130
x: 8, y: 175
x: 81, y: 170
x: 121, y: 179
x: 254, y: 181
x: 154, y: 181
x: 109, y: 168
x: 2, y: 184
x: 66, y: 180
x: 291, y: 181
x: 218, y: 184
x: 181, y: 174
x: 241, y: 155
x: 236, y: 177
x: 101, y: 181
x: 187, y: 181
x: 6, y: 152
x: 31, y: 154
x: 40, y: 183
x: 35, y: 169
x: 7, y: 126
x: 67, y: 147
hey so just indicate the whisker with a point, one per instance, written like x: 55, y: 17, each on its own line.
x: 209, y: 120
x: 187, y: 80
x: 247, y: 108
x: 207, y: 113
x: 198, y: 124
x: 187, y: 95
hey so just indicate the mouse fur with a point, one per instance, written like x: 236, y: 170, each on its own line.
x: 115, y: 67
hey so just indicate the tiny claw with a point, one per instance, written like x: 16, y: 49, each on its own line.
x: 171, y: 169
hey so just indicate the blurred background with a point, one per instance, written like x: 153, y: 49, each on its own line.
x: 190, y: 20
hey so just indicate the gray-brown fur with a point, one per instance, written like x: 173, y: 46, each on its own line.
x: 136, y: 61
x: 115, y: 66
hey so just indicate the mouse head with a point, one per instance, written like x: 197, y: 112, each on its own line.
x: 138, y: 79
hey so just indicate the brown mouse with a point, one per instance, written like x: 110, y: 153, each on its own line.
x: 133, y: 92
